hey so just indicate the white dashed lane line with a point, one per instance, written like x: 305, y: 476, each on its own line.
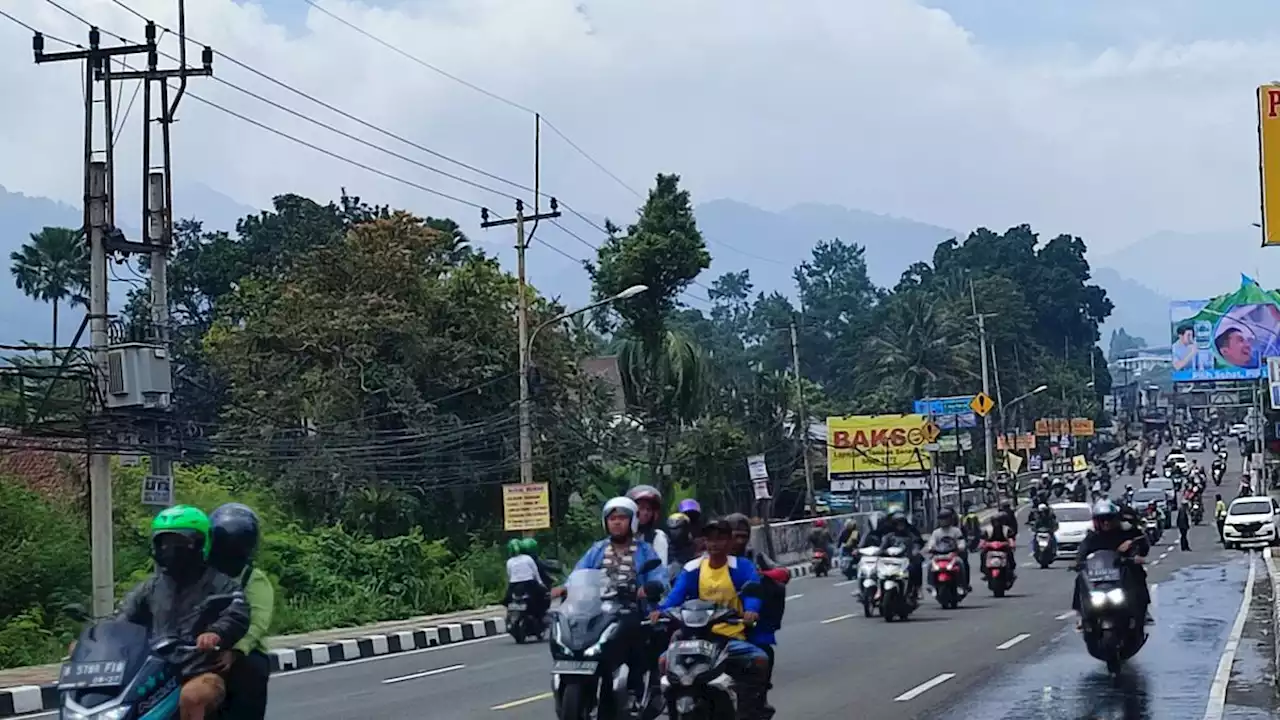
x: 1013, y: 641
x: 923, y: 688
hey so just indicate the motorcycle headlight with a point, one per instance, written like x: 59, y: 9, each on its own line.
x: 1115, y: 596
x: 1097, y: 597
x: 114, y: 713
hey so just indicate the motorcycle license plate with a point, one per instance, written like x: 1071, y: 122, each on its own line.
x: 77, y: 675
x: 693, y: 647
x: 995, y: 561
x: 575, y: 667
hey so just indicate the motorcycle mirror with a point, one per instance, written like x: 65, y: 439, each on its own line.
x: 648, y: 567
x: 76, y: 611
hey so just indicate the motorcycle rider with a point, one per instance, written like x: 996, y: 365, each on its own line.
x: 947, y: 528
x: 1128, y: 493
x: 719, y: 577
x: 693, y: 511
x: 1109, y: 533
x: 1219, y: 466
x: 773, y: 596
x: 877, y: 528
x: 168, y: 602
x: 1003, y: 527
x: 524, y: 576
x: 680, y: 535
x: 649, y: 500
x: 234, y: 533
x: 971, y: 524
x: 849, y: 537
x: 1005, y: 516
x: 820, y: 537
x: 900, y: 530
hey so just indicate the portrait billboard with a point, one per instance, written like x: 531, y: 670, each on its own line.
x: 1226, y: 338
x: 879, y: 444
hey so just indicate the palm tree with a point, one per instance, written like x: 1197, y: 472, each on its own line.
x: 665, y: 384
x: 53, y: 267
x: 921, y: 343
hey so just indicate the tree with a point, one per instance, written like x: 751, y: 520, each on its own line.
x: 921, y: 345
x: 53, y: 267
x: 1122, y: 343
x: 662, y: 369
x: 836, y: 300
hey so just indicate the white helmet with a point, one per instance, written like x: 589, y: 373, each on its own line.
x: 624, y: 504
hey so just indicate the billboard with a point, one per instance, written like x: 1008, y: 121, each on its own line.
x: 1226, y: 338
x: 1269, y: 161
x: 879, y: 444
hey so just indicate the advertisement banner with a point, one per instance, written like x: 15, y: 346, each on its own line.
x: 1269, y: 161
x: 1081, y: 427
x: 1053, y: 427
x: 1226, y: 338
x: 1026, y: 441
x: 878, y: 444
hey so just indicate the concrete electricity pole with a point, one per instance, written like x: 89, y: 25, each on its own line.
x: 803, y: 421
x: 522, y: 323
x: 986, y: 382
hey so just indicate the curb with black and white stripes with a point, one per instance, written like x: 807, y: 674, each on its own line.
x: 35, y: 698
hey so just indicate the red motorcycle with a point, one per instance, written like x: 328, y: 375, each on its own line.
x: 945, y: 573
x: 997, y: 567
x: 821, y: 563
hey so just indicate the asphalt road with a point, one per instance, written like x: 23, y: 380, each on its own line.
x: 834, y: 663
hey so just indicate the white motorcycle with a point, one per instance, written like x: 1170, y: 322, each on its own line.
x: 868, y: 582
x: 893, y: 573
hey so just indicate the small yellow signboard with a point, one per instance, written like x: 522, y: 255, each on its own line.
x: 982, y: 404
x: 526, y: 506
x: 1079, y: 463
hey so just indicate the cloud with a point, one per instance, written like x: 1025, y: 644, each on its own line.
x: 886, y: 105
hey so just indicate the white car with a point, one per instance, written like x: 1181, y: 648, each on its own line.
x: 1075, y: 520
x: 1195, y: 443
x: 1240, y: 430
x: 1251, y: 521
x: 1177, y: 458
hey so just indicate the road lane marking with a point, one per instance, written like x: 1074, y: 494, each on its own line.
x: 837, y: 618
x: 923, y: 688
x: 392, y: 656
x: 842, y: 583
x: 1066, y: 615
x: 1218, y: 691
x: 797, y: 596
x: 422, y: 674
x: 1013, y: 641
x: 523, y: 701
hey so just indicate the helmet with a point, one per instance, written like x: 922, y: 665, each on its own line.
x: 1104, y: 509
x: 513, y: 547
x: 946, y: 513
x: 876, y: 520
x: 688, y: 506
x: 738, y: 522
x: 677, y: 520
x: 183, y: 520
x: 624, y: 504
x: 640, y: 493
x: 233, y: 537
x: 819, y: 523
x: 1005, y: 505
x: 529, y: 546
x: 1128, y: 486
x: 1042, y: 507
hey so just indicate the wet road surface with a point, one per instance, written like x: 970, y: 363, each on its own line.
x: 1170, y: 678
x: 1251, y: 693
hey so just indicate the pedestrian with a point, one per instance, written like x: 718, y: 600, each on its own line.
x: 1220, y: 516
x: 1184, y: 524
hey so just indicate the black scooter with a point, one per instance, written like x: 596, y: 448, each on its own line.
x: 695, y: 683
x: 523, y: 619
x: 118, y: 672
x: 1113, y: 623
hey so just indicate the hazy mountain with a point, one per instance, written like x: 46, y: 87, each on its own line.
x: 1140, y: 310
x: 1192, y: 266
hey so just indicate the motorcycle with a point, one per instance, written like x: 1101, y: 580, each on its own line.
x: 694, y: 681
x: 946, y: 570
x: 1046, y: 550
x: 868, y: 585
x: 1197, y: 512
x: 590, y: 645
x: 1154, y: 529
x: 821, y: 563
x: 1218, y: 472
x: 521, y: 623
x: 848, y: 567
x: 896, y: 597
x: 1059, y: 490
x: 118, y: 672
x: 996, y: 569
x: 1113, y: 627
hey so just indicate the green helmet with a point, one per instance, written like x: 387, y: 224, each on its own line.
x: 513, y: 547
x: 529, y: 546
x: 183, y: 519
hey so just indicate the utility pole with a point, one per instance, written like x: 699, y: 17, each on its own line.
x: 803, y: 421
x: 522, y: 323
x: 98, y: 211
x: 986, y: 384
x: 157, y: 195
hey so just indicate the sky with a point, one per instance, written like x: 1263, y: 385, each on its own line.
x: 1110, y: 119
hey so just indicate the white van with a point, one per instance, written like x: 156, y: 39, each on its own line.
x: 1251, y: 521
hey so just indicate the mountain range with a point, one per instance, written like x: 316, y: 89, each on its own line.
x: 1141, y: 279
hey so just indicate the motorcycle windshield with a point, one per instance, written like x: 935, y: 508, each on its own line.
x: 1100, y: 568
x: 113, y: 641
x: 582, y: 614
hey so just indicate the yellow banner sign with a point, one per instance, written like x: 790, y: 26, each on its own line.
x: 526, y: 506
x: 878, y: 443
x: 1026, y: 441
x: 1269, y: 161
x: 1079, y: 427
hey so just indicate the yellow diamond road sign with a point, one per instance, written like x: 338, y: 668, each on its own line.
x: 982, y: 404
x: 931, y: 431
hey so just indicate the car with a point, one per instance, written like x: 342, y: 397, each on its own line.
x: 1195, y: 443
x: 1251, y: 521
x: 1075, y: 520
x: 1148, y: 495
x: 1177, y: 459
x: 1240, y: 430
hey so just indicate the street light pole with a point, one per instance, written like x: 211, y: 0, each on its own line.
x: 526, y: 362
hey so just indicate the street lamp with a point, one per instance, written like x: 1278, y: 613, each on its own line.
x: 526, y: 352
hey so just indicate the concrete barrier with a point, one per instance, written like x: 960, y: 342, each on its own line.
x: 790, y: 539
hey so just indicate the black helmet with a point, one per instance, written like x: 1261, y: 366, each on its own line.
x: 738, y: 522
x: 946, y: 513
x: 235, y: 530
x: 1005, y: 505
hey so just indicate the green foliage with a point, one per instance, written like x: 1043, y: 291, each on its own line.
x: 53, y: 267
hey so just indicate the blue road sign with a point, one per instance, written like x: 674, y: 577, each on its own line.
x: 938, y: 407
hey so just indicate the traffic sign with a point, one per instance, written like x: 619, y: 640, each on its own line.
x: 931, y: 431
x: 955, y: 405
x: 982, y: 404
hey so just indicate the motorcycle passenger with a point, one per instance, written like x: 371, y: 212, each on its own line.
x: 167, y: 603
x: 680, y: 535
x: 234, y: 531
x: 546, y: 570
x: 947, y: 528
x: 1109, y: 533
x: 649, y: 500
x: 877, y: 528
x: 719, y: 577
x: 1005, y: 516
x: 524, y: 576
x: 999, y: 530
x: 901, y: 531
x: 773, y: 596
x: 693, y: 511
